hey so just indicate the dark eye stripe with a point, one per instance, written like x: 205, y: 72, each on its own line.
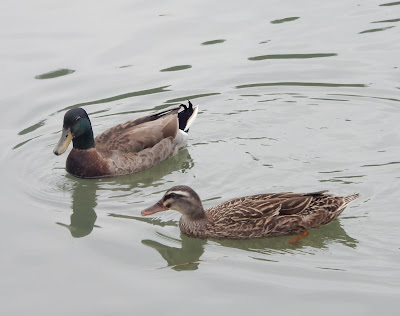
x: 170, y: 196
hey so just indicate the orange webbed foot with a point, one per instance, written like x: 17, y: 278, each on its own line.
x: 296, y: 239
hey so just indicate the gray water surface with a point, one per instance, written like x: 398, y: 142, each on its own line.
x: 293, y: 97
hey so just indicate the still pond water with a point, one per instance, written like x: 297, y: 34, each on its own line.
x: 293, y: 97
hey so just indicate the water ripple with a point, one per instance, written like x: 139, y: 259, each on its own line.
x: 343, y: 179
x: 302, y: 84
x: 293, y: 56
x: 389, y: 4
x: 55, y: 74
x: 119, y: 97
x: 213, y: 42
x: 387, y: 21
x: 382, y: 164
x: 191, y: 97
x: 25, y: 142
x: 32, y: 128
x: 176, y: 68
x: 365, y: 96
x: 376, y: 30
x: 293, y: 18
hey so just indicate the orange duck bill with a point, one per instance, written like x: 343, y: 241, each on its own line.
x: 158, y: 207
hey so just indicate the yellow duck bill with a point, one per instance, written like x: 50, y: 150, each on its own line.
x: 63, y: 143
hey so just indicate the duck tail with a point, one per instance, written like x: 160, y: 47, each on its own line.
x: 348, y: 199
x: 187, y: 116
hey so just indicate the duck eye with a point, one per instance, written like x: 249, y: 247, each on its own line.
x: 78, y: 119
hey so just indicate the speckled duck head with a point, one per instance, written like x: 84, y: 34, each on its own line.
x: 182, y: 199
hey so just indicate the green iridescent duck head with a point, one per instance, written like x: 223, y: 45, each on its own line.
x: 76, y: 128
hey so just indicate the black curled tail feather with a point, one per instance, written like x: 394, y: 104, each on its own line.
x: 185, y: 115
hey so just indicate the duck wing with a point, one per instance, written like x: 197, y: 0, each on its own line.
x: 137, y: 135
x: 262, y: 206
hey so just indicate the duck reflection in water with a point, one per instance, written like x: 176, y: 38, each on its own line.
x: 84, y: 192
x: 188, y: 255
x: 83, y: 215
x: 318, y: 238
x: 185, y: 257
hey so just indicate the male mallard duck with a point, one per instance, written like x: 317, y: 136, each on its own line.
x: 126, y: 148
x: 260, y: 215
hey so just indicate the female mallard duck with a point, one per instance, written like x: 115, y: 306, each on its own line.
x: 126, y: 148
x: 252, y: 216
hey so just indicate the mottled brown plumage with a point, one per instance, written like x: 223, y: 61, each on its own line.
x: 252, y: 216
x: 126, y: 148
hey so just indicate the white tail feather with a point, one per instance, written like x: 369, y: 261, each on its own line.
x: 191, y: 118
